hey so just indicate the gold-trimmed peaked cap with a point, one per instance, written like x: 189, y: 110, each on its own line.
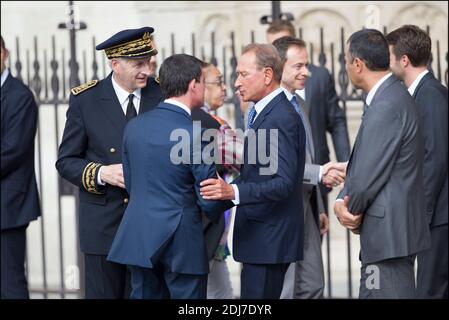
x: 130, y: 43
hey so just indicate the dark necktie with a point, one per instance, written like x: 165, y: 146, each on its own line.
x: 251, y: 116
x: 130, y: 110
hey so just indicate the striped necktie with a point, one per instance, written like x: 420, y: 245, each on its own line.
x: 251, y: 116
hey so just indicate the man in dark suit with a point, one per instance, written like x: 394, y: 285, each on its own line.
x: 160, y: 236
x: 325, y: 115
x: 410, y: 50
x: 19, y: 195
x: 384, y: 182
x: 90, y: 154
x: 269, y: 222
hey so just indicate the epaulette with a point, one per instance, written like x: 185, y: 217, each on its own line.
x: 83, y: 87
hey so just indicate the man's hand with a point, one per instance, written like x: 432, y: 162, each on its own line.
x: 334, y: 173
x: 347, y: 219
x: 113, y: 175
x: 324, y: 223
x: 216, y: 189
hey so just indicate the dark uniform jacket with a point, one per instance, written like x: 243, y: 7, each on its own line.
x: 93, y: 137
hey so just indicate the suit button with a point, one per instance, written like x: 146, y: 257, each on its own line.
x: 126, y: 200
x: 112, y: 150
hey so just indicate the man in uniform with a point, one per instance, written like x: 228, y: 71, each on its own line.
x: 90, y: 153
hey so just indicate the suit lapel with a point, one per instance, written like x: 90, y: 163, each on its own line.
x: 308, y: 93
x: 6, y: 86
x: 428, y: 76
x: 392, y: 79
x: 4, y: 90
x: 111, y: 106
x: 261, y: 117
x: 307, y: 127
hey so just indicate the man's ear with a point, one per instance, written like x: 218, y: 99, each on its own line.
x: 192, y: 84
x: 405, y: 61
x: 268, y: 72
x: 359, y: 65
x: 114, y: 64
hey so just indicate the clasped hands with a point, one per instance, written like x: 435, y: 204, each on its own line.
x: 333, y: 174
x: 346, y: 218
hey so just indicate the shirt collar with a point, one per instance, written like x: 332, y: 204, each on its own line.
x: 261, y: 104
x: 5, y: 75
x: 288, y: 94
x: 373, y: 90
x: 122, y: 94
x: 179, y: 104
x: 415, y: 83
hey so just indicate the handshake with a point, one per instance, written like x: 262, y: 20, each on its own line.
x: 333, y: 173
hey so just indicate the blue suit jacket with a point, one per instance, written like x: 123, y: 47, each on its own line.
x: 19, y: 196
x: 164, y: 211
x: 269, y: 221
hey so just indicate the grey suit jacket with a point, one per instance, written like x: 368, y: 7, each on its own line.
x: 431, y: 99
x: 385, y: 177
x: 311, y: 177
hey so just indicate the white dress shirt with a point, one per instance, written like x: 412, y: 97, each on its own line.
x: 301, y: 93
x: 261, y: 104
x: 179, y: 104
x: 5, y: 75
x: 123, y: 96
x: 373, y: 90
x: 415, y: 83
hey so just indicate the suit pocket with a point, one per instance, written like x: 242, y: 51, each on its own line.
x: 99, y: 199
x: 376, y: 211
x: 259, y: 213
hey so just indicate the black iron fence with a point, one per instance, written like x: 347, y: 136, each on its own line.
x: 48, y: 73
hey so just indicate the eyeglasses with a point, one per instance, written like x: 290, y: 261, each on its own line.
x: 218, y: 83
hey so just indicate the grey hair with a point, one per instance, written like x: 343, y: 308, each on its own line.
x: 266, y: 57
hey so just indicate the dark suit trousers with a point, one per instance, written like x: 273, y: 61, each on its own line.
x: 432, y: 266
x: 160, y: 283
x: 388, y: 279
x: 14, y: 283
x: 105, y: 279
x: 262, y: 281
